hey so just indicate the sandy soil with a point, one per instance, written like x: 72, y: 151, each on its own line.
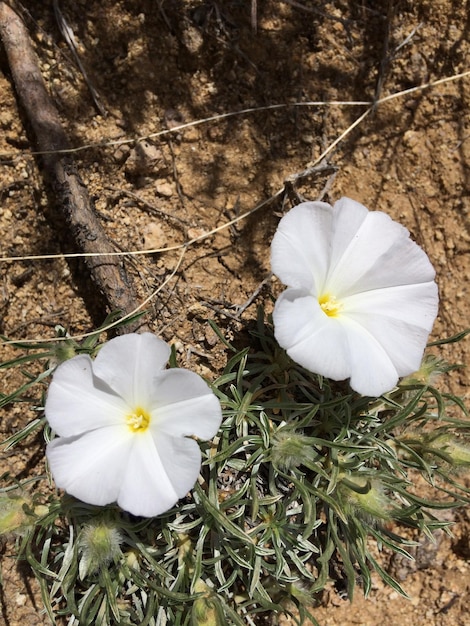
x: 156, y: 65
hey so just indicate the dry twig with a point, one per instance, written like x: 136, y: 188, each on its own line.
x: 72, y: 198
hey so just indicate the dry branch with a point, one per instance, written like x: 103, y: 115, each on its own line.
x: 72, y: 198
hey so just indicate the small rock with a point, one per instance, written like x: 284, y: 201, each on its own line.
x: 164, y: 189
x: 145, y: 159
x: 122, y: 153
x: 210, y: 337
x: 154, y: 236
x: 20, y: 599
x: 192, y: 39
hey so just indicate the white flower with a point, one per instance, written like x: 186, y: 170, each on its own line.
x: 124, y: 426
x: 361, y: 297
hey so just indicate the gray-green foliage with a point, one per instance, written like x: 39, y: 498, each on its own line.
x: 302, y: 475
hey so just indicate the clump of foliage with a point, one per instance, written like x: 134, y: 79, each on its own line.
x: 303, y: 474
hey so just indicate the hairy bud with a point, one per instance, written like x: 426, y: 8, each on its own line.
x: 291, y: 449
x: 100, y: 545
x: 366, y: 496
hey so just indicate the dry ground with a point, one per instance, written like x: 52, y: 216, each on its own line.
x: 158, y: 64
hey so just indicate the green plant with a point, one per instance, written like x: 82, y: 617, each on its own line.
x: 302, y: 475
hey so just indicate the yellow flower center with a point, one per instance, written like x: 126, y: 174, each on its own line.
x: 138, y: 421
x: 330, y: 305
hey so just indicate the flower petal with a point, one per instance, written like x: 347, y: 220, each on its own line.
x: 372, y: 371
x: 416, y: 304
x: 399, y: 319
x: 374, y: 253
x: 128, y: 364
x: 300, y: 249
x: 91, y: 467
x: 77, y: 401
x: 159, y: 472
x: 184, y: 405
x: 181, y: 458
x: 311, y: 338
x: 348, y: 219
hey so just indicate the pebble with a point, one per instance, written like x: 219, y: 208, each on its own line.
x: 164, y: 189
x: 20, y: 599
x: 154, y: 236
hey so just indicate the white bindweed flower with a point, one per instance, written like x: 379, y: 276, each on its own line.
x: 361, y: 297
x: 125, y: 425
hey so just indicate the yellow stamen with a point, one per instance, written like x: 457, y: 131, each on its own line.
x: 138, y: 421
x: 330, y: 305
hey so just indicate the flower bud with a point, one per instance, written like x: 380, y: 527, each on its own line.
x: 12, y: 514
x: 366, y: 496
x: 17, y: 513
x: 206, y: 610
x: 431, y: 368
x: 457, y: 453
x: 65, y: 350
x: 100, y: 545
x: 301, y: 592
x: 291, y: 449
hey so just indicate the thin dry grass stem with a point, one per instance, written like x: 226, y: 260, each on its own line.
x: 185, y: 246
x: 327, y: 151
x: 247, y: 111
x: 137, y: 309
x: 140, y: 252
